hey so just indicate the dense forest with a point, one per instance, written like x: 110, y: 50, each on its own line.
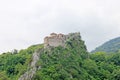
x: 58, y: 63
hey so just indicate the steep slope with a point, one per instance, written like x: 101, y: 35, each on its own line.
x: 32, y: 67
x: 66, y: 59
x: 63, y: 63
x: 24, y: 64
x: 71, y: 53
x: 12, y: 66
x: 109, y: 46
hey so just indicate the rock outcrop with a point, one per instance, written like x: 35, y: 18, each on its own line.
x: 53, y: 40
x: 30, y: 73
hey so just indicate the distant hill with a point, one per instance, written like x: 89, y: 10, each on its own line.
x: 112, y: 45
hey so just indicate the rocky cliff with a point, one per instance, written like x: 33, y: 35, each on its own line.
x: 54, y: 40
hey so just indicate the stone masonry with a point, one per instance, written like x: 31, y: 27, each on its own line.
x: 55, y: 40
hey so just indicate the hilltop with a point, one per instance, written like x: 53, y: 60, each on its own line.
x: 57, y: 49
x: 60, y: 57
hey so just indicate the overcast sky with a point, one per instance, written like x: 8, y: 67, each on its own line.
x: 27, y: 22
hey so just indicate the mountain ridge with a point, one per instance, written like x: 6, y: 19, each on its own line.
x: 112, y: 45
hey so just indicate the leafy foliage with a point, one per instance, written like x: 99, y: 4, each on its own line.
x: 13, y: 65
x: 74, y: 63
x: 62, y: 63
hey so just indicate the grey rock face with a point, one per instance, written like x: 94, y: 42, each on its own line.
x: 30, y: 73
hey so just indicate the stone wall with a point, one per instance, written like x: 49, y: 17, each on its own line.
x: 55, y: 40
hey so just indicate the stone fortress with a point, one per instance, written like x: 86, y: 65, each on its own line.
x: 55, y: 40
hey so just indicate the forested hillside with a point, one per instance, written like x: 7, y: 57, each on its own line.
x: 12, y: 65
x: 71, y: 62
x: 109, y: 46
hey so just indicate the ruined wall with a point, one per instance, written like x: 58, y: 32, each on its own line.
x: 54, y: 40
x: 58, y: 39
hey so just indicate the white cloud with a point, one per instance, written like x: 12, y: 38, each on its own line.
x: 26, y: 22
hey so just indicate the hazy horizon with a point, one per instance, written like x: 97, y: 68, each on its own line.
x: 27, y: 22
